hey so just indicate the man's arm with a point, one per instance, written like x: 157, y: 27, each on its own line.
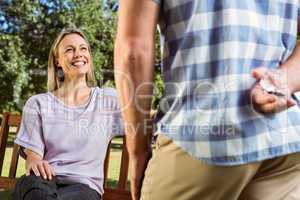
x: 134, y: 67
x: 290, y: 71
x: 292, y: 68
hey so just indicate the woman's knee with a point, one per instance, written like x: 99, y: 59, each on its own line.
x: 34, y: 187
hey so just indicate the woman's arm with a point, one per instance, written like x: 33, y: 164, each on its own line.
x: 36, y: 164
x: 30, y: 138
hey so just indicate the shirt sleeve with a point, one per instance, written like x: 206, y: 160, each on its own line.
x: 30, y: 135
x: 157, y: 1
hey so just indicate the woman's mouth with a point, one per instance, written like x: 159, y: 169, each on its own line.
x: 78, y: 63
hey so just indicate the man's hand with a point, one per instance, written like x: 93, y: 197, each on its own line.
x: 268, y: 102
x: 38, y: 166
x: 138, y: 166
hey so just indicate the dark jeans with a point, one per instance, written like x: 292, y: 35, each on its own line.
x: 35, y: 188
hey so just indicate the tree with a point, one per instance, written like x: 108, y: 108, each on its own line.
x: 13, y: 74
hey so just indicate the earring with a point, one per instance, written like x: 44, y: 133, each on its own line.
x: 60, y: 74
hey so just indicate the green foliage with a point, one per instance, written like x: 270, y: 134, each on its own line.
x: 28, y: 28
x: 158, y: 82
x: 13, y: 76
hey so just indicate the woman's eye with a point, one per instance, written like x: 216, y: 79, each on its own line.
x: 83, y: 48
x: 68, y: 50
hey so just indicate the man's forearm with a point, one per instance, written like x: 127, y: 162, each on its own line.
x: 134, y: 77
x: 292, y: 69
x: 134, y: 68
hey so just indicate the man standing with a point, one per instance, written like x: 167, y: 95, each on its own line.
x: 228, y: 125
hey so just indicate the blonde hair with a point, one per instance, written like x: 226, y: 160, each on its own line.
x: 53, y: 80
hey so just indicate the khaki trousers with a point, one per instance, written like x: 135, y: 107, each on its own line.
x: 172, y: 174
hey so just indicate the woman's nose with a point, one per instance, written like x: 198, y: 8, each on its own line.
x: 78, y: 53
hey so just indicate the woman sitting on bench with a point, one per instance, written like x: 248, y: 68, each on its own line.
x: 65, y: 132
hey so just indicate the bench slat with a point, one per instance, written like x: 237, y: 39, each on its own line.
x: 124, y: 168
x: 7, y: 183
x: 116, y: 194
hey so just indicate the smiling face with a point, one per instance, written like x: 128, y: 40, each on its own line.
x: 74, y: 56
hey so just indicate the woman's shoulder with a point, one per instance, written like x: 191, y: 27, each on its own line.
x: 36, y: 101
x: 39, y: 97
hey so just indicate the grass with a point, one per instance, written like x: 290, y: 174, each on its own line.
x: 113, y: 172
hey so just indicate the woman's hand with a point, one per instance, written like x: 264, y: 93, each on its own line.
x: 38, y: 166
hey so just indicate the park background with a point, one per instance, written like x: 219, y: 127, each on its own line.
x: 27, y: 30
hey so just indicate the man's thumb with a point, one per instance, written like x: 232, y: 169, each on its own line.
x: 258, y: 73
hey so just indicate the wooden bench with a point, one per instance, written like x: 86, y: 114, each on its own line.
x: 8, y: 183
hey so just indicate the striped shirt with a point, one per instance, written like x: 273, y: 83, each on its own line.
x: 209, y: 50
